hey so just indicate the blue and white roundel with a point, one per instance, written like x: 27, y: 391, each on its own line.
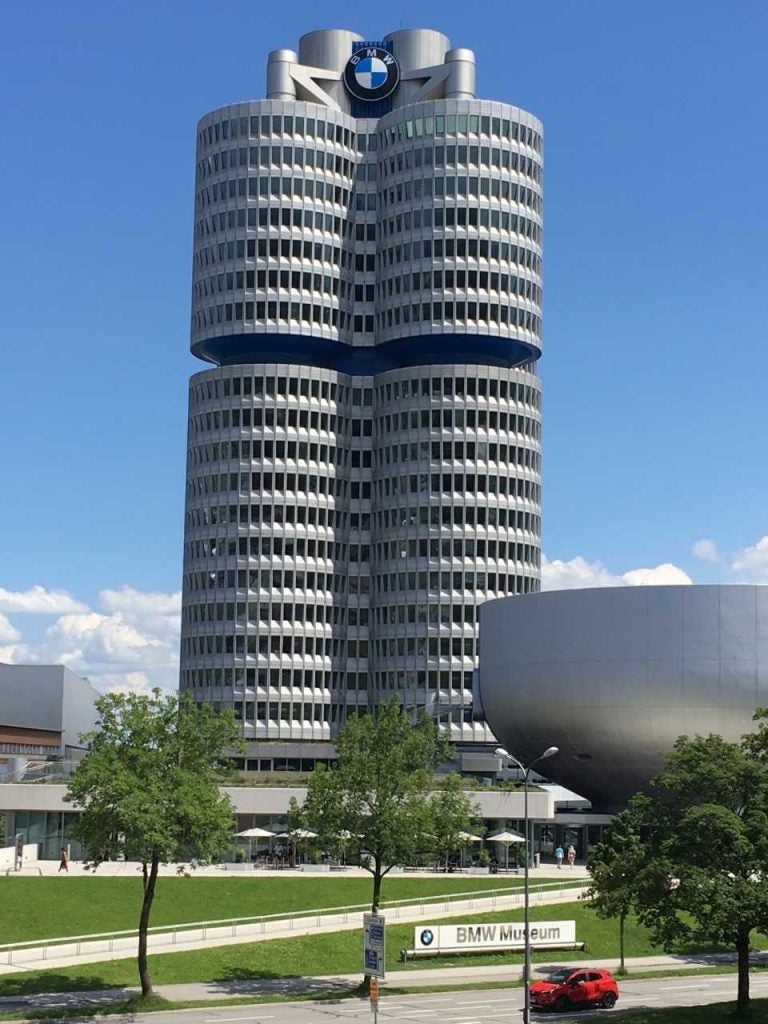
x: 371, y: 73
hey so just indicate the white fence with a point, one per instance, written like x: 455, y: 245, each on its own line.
x: 120, y: 944
x: 8, y: 856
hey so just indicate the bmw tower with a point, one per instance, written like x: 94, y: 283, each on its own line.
x: 363, y: 464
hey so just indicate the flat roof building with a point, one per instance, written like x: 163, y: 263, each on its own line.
x: 43, y: 711
x: 363, y: 465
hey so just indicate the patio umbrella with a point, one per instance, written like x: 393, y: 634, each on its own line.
x: 467, y: 837
x: 254, y: 833
x: 506, y: 838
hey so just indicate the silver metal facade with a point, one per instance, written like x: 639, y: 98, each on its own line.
x: 613, y: 676
x: 364, y: 462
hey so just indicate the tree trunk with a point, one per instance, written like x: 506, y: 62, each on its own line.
x: 377, y: 876
x: 622, y: 920
x: 742, y: 949
x: 149, y: 879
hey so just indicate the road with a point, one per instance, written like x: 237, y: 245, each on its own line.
x: 494, y: 1006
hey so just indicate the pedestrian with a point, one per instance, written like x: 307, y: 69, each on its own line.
x: 64, y: 862
x: 559, y: 856
x: 571, y: 855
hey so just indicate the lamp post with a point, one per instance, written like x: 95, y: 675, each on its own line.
x: 549, y: 752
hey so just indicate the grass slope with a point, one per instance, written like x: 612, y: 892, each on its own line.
x: 52, y: 907
x: 332, y: 953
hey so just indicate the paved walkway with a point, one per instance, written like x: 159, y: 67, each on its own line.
x: 412, y: 978
x: 73, y: 953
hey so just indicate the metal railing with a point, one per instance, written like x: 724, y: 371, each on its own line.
x: 230, y: 927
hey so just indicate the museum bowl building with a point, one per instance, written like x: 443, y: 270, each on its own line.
x: 613, y: 676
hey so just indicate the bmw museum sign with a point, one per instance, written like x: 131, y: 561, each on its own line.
x: 371, y: 73
x: 462, y: 938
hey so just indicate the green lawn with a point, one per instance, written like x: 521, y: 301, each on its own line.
x: 42, y: 908
x: 338, y: 952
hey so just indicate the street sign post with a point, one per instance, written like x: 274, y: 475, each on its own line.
x: 374, y: 945
x: 373, y: 995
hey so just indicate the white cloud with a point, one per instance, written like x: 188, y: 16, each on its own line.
x: 706, y: 550
x: 578, y: 573
x: 130, y: 646
x: 39, y: 601
x: 662, y: 575
x: 8, y: 633
x: 751, y: 564
x: 575, y: 574
x: 156, y: 613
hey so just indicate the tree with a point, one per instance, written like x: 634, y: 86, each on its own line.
x: 703, y: 850
x: 450, y: 820
x: 148, y: 790
x: 614, y: 866
x: 381, y: 791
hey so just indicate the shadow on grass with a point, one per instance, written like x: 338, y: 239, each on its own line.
x: 59, y: 990
x: 240, y: 981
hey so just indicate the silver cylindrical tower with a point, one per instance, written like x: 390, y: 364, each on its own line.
x: 364, y: 452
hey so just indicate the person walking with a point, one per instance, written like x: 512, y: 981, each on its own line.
x: 571, y: 855
x: 64, y: 862
x: 559, y: 857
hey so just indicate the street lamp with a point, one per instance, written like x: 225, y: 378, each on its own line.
x: 549, y: 752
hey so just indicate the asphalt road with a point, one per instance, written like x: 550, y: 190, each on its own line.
x: 494, y: 1006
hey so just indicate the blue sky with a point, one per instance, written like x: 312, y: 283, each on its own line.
x: 655, y: 289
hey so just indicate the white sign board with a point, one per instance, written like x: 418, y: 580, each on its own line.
x: 374, y: 945
x: 456, y: 938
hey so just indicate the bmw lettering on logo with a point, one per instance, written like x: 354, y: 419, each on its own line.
x: 427, y: 937
x: 371, y: 73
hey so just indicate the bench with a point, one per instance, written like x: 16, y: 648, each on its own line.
x: 413, y: 954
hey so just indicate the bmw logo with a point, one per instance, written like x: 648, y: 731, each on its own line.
x: 371, y: 73
x: 427, y: 937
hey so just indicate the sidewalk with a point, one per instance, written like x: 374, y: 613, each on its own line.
x: 413, y: 978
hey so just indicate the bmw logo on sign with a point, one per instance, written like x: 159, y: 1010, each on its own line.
x: 427, y: 937
x: 371, y: 73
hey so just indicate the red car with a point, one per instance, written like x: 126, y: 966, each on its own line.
x: 571, y: 988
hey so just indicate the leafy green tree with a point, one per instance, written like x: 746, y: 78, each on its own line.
x: 703, y: 850
x: 381, y: 791
x: 148, y: 790
x: 615, y: 866
x: 454, y: 816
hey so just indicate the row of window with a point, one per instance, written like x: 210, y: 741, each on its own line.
x: 427, y: 386
x: 305, y: 158
x: 253, y: 613
x: 455, y: 483
x: 469, y: 550
x: 286, y: 281
x: 456, y: 155
x: 267, y: 515
x: 414, y: 128
x: 251, y: 580
x: 446, y: 314
x: 457, y: 451
x: 267, y: 248
x: 279, y: 124
x: 457, y: 419
x: 278, y: 186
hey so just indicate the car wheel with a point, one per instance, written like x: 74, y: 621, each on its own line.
x: 562, y: 1003
x: 608, y: 1001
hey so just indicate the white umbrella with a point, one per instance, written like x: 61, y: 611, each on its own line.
x: 467, y: 837
x: 506, y: 838
x: 298, y: 833
x: 254, y: 833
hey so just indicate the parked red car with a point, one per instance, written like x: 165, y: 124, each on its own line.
x: 570, y: 988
